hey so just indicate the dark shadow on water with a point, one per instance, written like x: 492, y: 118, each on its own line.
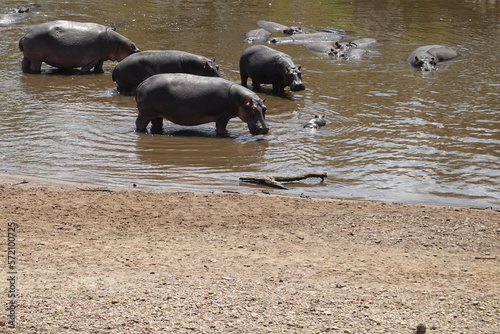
x: 201, y: 132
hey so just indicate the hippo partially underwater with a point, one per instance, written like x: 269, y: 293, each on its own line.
x: 68, y: 45
x: 187, y: 99
x: 427, y: 57
x: 315, y: 122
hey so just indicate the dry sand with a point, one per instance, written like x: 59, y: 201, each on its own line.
x: 105, y: 260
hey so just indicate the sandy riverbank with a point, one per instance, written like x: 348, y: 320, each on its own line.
x: 104, y: 260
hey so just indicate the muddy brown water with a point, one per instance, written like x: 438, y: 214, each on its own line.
x: 393, y: 133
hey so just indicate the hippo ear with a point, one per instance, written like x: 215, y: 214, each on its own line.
x: 299, y: 67
x: 416, y: 58
x: 248, y: 101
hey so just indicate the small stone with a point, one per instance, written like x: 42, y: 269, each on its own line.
x: 421, y: 329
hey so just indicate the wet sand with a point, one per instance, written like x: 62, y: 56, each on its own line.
x: 105, y: 260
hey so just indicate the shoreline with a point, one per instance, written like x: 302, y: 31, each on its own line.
x: 29, y: 181
x: 111, y: 260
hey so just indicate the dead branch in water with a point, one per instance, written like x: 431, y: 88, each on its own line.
x: 275, y: 181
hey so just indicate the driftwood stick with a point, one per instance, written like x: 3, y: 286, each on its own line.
x: 275, y: 181
x: 299, y: 177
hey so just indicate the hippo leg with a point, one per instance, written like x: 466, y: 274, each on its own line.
x: 220, y: 125
x: 256, y: 86
x: 26, y: 65
x: 157, y: 125
x: 88, y: 67
x: 244, y: 79
x: 31, y: 66
x: 98, y: 67
x: 141, y: 124
x: 279, y: 89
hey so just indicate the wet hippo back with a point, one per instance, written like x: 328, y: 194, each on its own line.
x: 129, y: 73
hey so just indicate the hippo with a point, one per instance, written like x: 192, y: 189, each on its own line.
x: 257, y: 35
x: 427, y: 57
x: 68, y: 45
x: 347, y: 51
x: 315, y: 123
x: 273, y: 26
x: 188, y: 99
x: 133, y: 70
x: 268, y: 66
x: 320, y: 36
x: 365, y: 42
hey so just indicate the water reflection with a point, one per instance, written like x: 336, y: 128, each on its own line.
x: 393, y: 133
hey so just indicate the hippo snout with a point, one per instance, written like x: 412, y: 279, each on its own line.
x: 259, y: 130
x: 295, y: 87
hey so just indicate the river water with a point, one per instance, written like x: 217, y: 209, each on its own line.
x: 393, y: 133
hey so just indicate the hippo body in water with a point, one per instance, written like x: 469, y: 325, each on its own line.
x: 68, y: 45
x: 187, y: 99
x: 315, y: 123
x: 427, y: 57
x: 133, y: 70
x: 265, y: 65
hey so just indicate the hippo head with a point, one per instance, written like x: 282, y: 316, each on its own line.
x: 293, y: 30
x: 293, y: 78
x: 208, y: 68
x: 425, y: 64
x: 253, y: 111
x: 120, y: 47
x: 336, y: 54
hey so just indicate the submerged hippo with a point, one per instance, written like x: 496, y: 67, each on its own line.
x: 68, y: 45
x: 268, y: 66
x: 427, y: 57
x: 133, y: 70
x: 187, y: 99
x: 273, y: 26
x: 315, y: 123
x: 320, y: 36
x: 257, y: 35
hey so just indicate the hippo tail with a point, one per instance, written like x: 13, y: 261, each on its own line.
x: 21, y: 44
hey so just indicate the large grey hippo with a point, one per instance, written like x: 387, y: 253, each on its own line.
x: 133, y: 70
x: 268, y: 66
x: 69, y: 45
x: 427, y: 57
x: 187, y: 99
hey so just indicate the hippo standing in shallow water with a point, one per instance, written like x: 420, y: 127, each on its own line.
x: 68, y: 45
x: 268, y: 66
x: 133, y: 70
x: 427, y: 57
x: 187, y: 99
